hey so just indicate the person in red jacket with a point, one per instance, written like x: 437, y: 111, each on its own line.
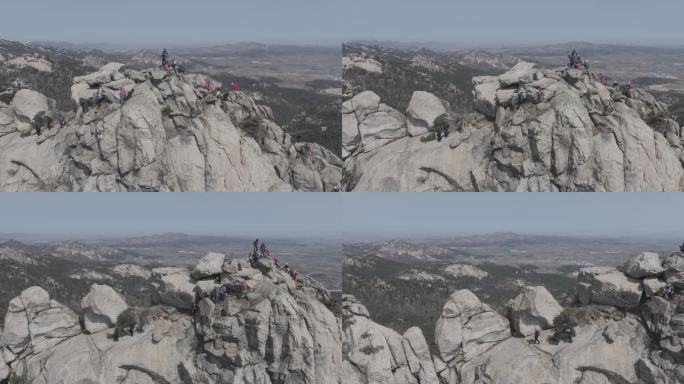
x: 235, y: 87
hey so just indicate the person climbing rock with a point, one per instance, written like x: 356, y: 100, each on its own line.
x: 536, y: 336
x: 668, y: 291
x: 122, y: 95
x: 36, y: 127
x: 98, y: 98
x: 195, y: 311
x: 540, y: 95
x: 38, y: 123
x: 243, y: 289
x: 520, y: 97
x: 222, y: 293
x: 208, y: 85
x: 441, y: 126
x: 602, y: 78
x: 61, y: 119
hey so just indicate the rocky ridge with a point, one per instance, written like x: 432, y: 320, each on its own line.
x: 473, y: 344
x: 169, y: 134
x: 576, y: 135
x: 279, y: 331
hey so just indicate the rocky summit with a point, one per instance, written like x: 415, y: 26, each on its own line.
x: 532, y: 129
x: 621, y: 335
x: 265, y: 328
x: 155, y: 130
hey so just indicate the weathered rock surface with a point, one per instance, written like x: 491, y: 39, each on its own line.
x: 643, y: 265
x: 468, y: 327
x: 580, y: 136
x: 101, y: 307
x: 475, y: 345
x: 129, y: 270
x: 211, y: 264
x: 460, y: 271
x: 277, y: 333
x: 533, y: 308
x: 376, y: 354
x: 169, y: 134
x: 608, y: 286
x: 423, y: 109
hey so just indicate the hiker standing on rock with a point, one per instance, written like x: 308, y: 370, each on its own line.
x: 573, y: 58
x: 520, y: 99
x: 164, y: 57
x: 98, y: 98
x: 235, y: 87
x: 602, y: 77
x: 122, y: 95
x: 536, y: 336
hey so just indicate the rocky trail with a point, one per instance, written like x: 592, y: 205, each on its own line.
x: 278, y: 331
x: 170, y: 133
x: 626, y: 331
x: 570, y: 133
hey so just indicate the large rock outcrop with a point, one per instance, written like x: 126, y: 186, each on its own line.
x: 376, y: 354
x: 533, y: 308
x: 579, y: 135
x: 643, y: 265
x: 467, y: 327
x: 276, y: 333
x: 608, y: 286
x: 101, y: 307
x: 211, y: 264
x: 474, y: 345
x: 169, y: 134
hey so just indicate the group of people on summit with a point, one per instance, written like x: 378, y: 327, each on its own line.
x: 222, y: 290
x: 262, y: 251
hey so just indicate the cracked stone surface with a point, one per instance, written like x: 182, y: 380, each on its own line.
x: 281, y: 331
x: 474, y: 345
x: 169, y: 134
x: 580, y: 136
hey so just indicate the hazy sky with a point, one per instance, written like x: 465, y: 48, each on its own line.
x: 331, y: 214
x: 503, y: 22
x: 171, y: 21
x: 436, y: 214
x: 114, y: 214
x: 462, y: 22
